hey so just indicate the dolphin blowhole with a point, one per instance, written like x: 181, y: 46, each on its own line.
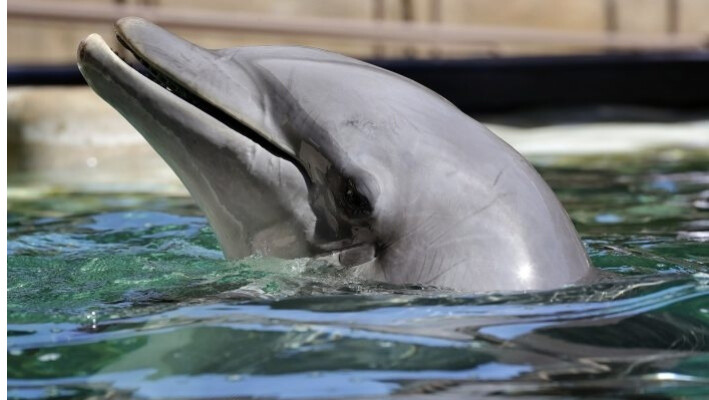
x: 295, y: 152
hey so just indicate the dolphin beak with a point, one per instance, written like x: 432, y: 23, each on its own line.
x: 248, y: 192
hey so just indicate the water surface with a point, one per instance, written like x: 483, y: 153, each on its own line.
x: 127, y: 294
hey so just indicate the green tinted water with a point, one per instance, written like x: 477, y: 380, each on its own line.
x: 120, y: 295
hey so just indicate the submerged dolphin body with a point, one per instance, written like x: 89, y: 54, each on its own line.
x: 295, y: 152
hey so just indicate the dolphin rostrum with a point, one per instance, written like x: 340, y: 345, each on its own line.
x: 296, y: 152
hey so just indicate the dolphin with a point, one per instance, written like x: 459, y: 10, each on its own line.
x: 299, y: 152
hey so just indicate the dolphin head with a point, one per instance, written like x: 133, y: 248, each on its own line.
x: 294, y: 151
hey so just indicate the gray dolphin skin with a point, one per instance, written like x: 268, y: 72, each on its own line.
x: 298, y: 152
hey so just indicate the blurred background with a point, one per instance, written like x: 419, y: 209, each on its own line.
x: 47, y: 32
x: 525, y: 67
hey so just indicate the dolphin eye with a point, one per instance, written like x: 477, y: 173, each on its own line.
x: 348, y: 199
x: 354, y: 203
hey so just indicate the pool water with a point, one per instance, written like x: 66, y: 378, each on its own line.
x: 127, y: 295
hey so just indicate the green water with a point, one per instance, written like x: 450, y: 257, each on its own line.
x: 127, y: 295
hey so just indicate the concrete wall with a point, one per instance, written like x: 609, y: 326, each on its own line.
x: 32, y: 41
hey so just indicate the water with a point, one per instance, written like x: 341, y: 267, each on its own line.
x: 119, y: 295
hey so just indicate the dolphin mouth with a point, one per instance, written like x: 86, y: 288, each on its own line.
x: 153, y: 72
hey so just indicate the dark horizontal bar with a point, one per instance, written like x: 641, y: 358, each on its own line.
x: 670, y: 80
